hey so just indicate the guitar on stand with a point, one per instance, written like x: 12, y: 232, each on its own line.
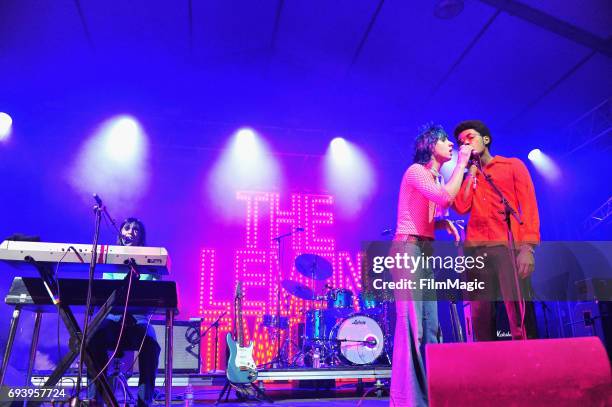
x: 241, y: 370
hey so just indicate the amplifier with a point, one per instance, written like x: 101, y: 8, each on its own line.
x: 186, y: 352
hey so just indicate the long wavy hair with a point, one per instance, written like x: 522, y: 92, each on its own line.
x: 424, y: 144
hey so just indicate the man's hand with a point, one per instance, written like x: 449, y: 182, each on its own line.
x: 525, y: 261
x: 449, y: 226
x: 465, y: 152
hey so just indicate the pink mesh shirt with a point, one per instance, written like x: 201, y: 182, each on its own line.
x: 419, y: 196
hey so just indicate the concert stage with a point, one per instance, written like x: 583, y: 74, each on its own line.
x: 330, y: 187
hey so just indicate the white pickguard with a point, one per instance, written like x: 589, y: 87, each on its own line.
x: 244, y: 356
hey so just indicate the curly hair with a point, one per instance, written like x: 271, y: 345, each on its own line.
x: 424, y: 144
x: 477, y: 125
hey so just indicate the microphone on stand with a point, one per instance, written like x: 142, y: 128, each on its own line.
x: 98, y: 200
x: 474, y: 159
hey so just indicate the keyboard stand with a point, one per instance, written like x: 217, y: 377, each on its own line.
x: 65, y: 313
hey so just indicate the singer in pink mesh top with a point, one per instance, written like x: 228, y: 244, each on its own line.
x: 422, y: 195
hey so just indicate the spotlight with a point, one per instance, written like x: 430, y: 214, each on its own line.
x: 245, y: 143
x: 6, y: 124
x: 544, y: 165
x: 246, y: 136
x: 339, y: 146
x: 447, y: 9
x: 247, y: 163
x: 349, y: 176
x: 113, y: 162
x: 123, y: 139
x: 534, y: 154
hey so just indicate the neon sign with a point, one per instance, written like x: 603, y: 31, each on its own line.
x: 256, y: 264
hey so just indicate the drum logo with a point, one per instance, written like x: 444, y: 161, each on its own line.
x: 359, y: 322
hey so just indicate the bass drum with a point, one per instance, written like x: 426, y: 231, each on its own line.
x: 358, y: 340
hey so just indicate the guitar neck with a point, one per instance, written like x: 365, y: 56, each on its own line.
x: 239, y: 324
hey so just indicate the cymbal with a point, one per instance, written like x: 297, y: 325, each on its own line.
x: 313, y: 266
x: 298, y: 290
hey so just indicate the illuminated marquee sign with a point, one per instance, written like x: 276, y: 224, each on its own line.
x: 256, y: 263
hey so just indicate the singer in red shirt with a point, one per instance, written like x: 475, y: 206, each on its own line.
x: 487, y: 231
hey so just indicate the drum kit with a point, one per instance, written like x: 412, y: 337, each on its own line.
x: 334, y: 333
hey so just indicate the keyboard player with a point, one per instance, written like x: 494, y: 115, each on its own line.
x: 136, y: 332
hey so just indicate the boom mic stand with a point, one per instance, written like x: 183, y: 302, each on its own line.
x: 508, y: 213
x: 98, y: 208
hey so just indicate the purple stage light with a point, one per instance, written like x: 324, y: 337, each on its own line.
x: 6, y: 124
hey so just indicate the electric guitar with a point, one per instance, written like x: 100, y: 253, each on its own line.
x: 241, y: 366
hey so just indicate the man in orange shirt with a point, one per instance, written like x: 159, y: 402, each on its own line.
x: 487, y: 232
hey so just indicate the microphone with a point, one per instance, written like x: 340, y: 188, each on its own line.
x: 474, y: 159
x: 98, y: 200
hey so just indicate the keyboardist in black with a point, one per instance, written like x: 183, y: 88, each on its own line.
x: 135, y: 329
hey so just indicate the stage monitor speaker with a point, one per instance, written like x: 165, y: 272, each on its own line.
x: 185, y: 355
x: 573, y: 371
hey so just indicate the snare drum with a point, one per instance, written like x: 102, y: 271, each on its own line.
x: 358, y: 340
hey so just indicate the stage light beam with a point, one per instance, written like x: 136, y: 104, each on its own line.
x: 114, y: 163
x: 245, y: 164
x: 349, y: 176
x: 6, y: 125
x: 123, y: 140
x: 544, y: 165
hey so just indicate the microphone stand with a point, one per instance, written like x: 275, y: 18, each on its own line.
x: 508, y: 213
x: 216, y: 326
x: 98, y: 208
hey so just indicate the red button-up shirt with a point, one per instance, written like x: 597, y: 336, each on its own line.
x: 487, y: 223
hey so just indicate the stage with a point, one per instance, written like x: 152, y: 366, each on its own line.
x: 331, y: 187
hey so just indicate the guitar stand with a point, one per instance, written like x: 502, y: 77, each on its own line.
x: 227, y: 389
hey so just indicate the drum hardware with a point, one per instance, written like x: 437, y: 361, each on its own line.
x: 270, y: 321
